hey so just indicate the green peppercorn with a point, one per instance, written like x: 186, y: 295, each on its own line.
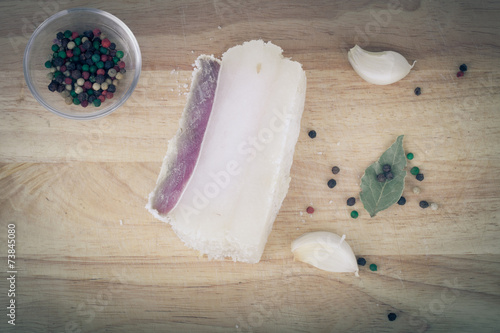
x: 48, y: 64
x: 414, y: 171
x: 78, y: 40
x: 97, y: 102
x: 373, y: 267
x: 55, y: 48
x: 93, y: 69
x: 67, y: 34
x: 76, y: 101
x: 410, y: 156
x: 354, y: 214
x: 119, y: 54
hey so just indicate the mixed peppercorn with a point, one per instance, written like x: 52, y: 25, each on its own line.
x: 85, y: 68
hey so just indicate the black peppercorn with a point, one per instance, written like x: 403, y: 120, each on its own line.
x: 91, y: 98
x: 64, y: 42
x: 401, y: 201
x: 335, y: 170
x: 389, y: 175
x: 332, y: 183
x: 392, y: 316
x: 312, y: 134
x: 361, y: 261
x: 59, y: 79
x: 381, y: 177
x: 53, y: 86
x: 418, y: 91
x: 351, y: 201
x: 111, y: 88
x: 58, y: 61
x: 108, y: 64
x: 100, y: 78
x: 76, y: 74
x: 86, y: 45
x: 112, y: 46
x: 463, y: 67
x: 60, y: 35
x: 71, y: 66
x: 83, y: 96
x: 420, y: 177
x: 424, y: 204
x: 60, y: 88
x: 386, y: 168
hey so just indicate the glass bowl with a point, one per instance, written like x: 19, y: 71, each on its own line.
x: 38, y: 51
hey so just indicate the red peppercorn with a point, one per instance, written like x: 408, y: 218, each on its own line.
x: 104, y: 57
x: 96, y: 32
x: 460, y: 74
x: 82, y: 49
x: 63, y: 68
x: 87, y: 84
x: 74, y: 35
x: 85, y: 75
x: 68, y: 80
x: 100, y: 71
x: 109, y: 95
x: 69, y: 53
x: 121, y: 64
x: 104, y: 93
x: 310, y: 210
x: 106, y: 43
x: 85, y: 103
x: 102, y: 98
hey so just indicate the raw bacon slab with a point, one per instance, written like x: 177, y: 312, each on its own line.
x: 227, y: 170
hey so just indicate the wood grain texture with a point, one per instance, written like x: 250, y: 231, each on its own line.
x: 90, y: 258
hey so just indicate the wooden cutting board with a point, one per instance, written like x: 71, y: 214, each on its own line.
x: 90, y: 258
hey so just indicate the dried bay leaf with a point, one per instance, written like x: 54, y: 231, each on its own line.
x: 377, y: 196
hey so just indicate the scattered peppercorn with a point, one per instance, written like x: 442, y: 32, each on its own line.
x: 392, y: 316
x: 310, y: 210
x: 463, y: 67
x: 351, y: 201
x: 420, y: 177
x: 332, y: 183
x: 424, y: 204
x: 389, y: 175
x: 418, y: 91
x: 416, y: 190
x: 335, y: 170
x: 354, y: 214
x: 373, y: 267
x: 361, y: 261
x: 312, y: 134
x: 434, y: 206
x: 410, y: 156
x: 381, y: 177
x: 386, y: 168
x: 415, y: 171
x: 460, y: 74
x: 401, y: 201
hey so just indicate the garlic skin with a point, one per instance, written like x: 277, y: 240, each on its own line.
x: 380, y: 68
x: 326, y: 251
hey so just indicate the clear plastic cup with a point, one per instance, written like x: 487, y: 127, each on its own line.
x: 38, y: 51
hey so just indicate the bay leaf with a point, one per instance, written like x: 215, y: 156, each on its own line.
x: 377, y: 196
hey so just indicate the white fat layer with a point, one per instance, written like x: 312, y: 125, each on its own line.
x: 243, y: 172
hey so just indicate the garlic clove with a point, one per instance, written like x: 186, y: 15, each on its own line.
x: 379, y: 67
x: 326, y: 251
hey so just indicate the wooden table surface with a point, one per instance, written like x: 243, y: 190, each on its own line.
x: 90, y: 258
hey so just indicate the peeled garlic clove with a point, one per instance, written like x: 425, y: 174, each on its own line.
x: 326, y: 251
x: 379, y: 67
